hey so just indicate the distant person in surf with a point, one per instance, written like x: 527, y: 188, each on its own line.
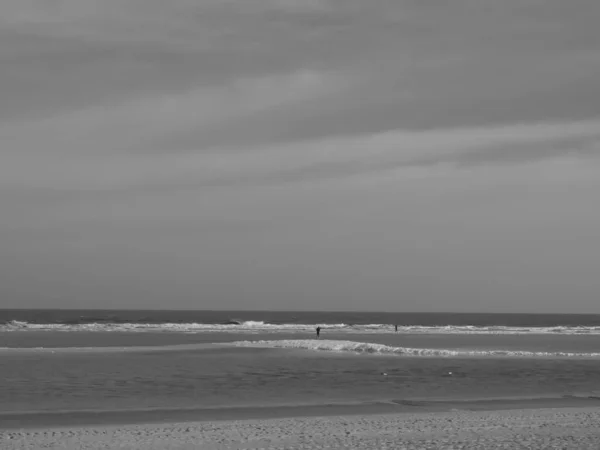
x: 318, y: 332
x: 396, y: 327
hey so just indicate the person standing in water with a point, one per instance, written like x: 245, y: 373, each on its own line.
x: 396, y: 327
x: 318, y: 332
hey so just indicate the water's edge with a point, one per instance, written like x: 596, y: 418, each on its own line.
x: 73, y: 419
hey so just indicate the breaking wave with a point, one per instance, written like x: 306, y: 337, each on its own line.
x: 380, y: 349
x: 250, y: 327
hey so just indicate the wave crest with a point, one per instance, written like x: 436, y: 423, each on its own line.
x: 235, y: 326
x: 381, y: 349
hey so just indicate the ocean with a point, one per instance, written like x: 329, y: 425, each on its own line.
x: 65, y: 364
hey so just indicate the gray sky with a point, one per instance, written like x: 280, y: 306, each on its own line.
x: 300, y: 154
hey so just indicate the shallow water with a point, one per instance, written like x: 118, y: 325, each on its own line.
x: 221, y: 376
x: 541, y: 343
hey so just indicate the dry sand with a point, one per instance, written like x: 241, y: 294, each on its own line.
x: 561, y: 428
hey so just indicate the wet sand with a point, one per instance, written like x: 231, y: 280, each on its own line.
x: 54, y: 419
x: 547, y: 428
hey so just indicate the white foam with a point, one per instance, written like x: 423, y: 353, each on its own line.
x: 366, y: 347
x: 262, y: 327
x: 113, y: 349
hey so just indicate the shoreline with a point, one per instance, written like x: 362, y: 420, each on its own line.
x: 549, y: 428
x: 95, y: 418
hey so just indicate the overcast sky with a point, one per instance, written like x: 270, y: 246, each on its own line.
x: 407, y: 155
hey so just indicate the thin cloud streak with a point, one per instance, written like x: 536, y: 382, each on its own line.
x: 119, y: 127
x: 306, y: 161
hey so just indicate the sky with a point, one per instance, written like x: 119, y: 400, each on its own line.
x: 393, y: 155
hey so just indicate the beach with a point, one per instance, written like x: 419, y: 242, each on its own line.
x: 169, y: 381
x: 550, y: 428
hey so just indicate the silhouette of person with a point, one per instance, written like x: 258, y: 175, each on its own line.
x: 318, y: 332
x: 396, y: 326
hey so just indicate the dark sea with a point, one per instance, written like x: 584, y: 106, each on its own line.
x: 64, y: 363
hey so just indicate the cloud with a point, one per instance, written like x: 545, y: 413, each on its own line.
x: 178, y: 21
x: 313, y: 150
x: 117, y: 126
x: 306, y: 161
x: 294, y: 123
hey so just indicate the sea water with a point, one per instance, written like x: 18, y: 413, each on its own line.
x: 123, y: 361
